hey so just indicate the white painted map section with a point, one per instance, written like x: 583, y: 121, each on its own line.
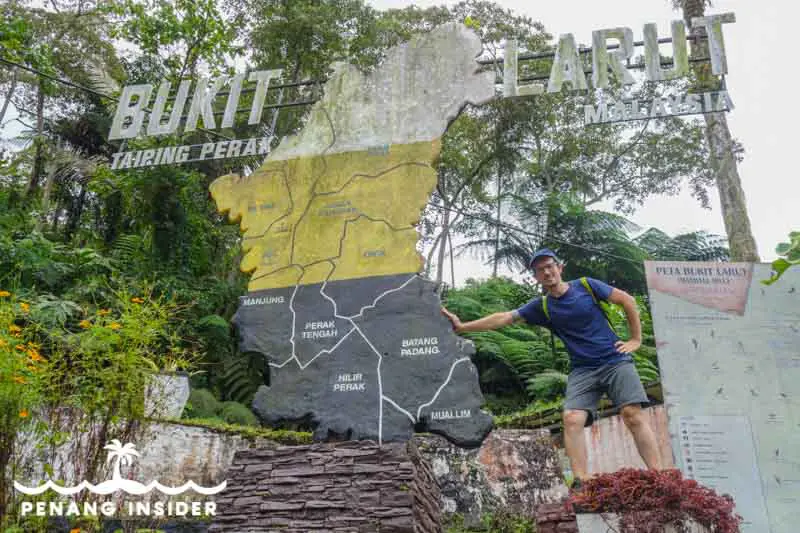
x: 732, y: 360
x: 398, y: 103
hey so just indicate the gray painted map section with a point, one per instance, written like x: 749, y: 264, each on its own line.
x: 370, y: 358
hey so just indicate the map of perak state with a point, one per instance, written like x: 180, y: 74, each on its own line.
x: 354, y: 337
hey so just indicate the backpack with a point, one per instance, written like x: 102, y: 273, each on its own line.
x: 588, y: 288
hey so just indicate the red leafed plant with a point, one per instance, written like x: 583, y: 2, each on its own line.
x: 648, y: 500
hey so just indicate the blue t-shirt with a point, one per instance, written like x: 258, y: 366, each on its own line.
x: 579, y: 323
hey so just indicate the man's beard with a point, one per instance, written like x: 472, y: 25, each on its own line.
x: 550, y: 284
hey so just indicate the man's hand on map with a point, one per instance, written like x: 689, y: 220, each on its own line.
x: 453, y: 318
x: 628, y: 347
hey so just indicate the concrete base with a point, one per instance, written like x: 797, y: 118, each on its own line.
x: 166, y: 395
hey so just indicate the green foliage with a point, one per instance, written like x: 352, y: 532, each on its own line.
x: 548, y: 384
x: 593, y: 243
x: 50, y: 311
x: 498, y: 522
x: 60, y: 357
x: 23, y: 374
x: 202, y: 404
x: 238, y: 414
x: 695, y: 246
x: 790, y: 252
x: 242, y: 374
x: 160, y: 27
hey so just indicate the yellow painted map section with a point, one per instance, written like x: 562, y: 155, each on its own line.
x: 372, y: 248
x: 353, y: 210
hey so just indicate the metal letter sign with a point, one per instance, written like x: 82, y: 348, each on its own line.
x: 568, y: 67
x: 130, y: 117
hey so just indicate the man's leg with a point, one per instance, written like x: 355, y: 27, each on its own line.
x: 575, y: 442
x: 625, y: 390
x: 636, y: 420
x: 583, y: 394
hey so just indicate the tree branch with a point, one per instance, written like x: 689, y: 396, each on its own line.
x: 29, y: 126
x: 614, y: 162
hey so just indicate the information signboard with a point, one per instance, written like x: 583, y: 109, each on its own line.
x: 729, y: 353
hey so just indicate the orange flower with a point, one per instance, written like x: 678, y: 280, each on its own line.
x: 137, y: 300
x: 4, y: 294
x: 35, y: 355
x: 23, y: 413
x: 115, y: 325
x: 20, y: 347
x: 25, y: 307
x: 13, y: 328
x: 104, y: 312
x: 19, y: 379
x: 85, y: 324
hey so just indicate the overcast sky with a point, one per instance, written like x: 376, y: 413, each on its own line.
x: 763, y: 77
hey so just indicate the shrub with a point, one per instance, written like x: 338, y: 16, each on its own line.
x: 648, y: 500
x: 202, y: 404
x: 237, y: 413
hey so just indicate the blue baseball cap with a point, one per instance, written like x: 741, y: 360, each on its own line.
x: 544, y: 252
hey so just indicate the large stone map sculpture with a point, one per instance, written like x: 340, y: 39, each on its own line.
x: 354, y: 337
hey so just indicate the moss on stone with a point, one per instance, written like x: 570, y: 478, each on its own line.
x: 281, y: 436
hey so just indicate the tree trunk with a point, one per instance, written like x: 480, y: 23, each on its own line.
x: 452, y: 265
x: 497, y: 233
x: 442, y: 243
x: 731, y: 195
x: 75, y: 214
x: 722, y: 155
x: 429, y: 261
x: 33, y: 184
x: 8, y: 98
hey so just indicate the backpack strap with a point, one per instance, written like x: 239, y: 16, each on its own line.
x: 585, y: 283
x: 544, y: 307
x: 588, y: 287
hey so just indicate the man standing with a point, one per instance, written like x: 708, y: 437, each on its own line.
x: 600, y: 361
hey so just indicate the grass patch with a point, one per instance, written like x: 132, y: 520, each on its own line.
x: 536, y: 415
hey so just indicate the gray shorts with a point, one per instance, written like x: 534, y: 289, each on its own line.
x: 585, y: 387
